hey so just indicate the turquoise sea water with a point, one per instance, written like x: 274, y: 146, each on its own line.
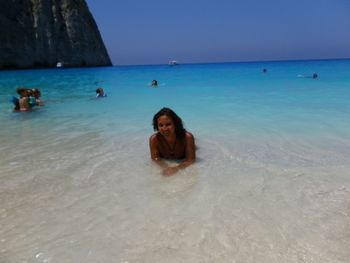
x: 272, y: 181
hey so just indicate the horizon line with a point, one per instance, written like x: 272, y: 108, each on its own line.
x: 240, y: 61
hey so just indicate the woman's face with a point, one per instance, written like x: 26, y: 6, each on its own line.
x: 166, y: 125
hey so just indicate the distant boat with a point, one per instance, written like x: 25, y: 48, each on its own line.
x: 59, y: 65
x: 173, y: 63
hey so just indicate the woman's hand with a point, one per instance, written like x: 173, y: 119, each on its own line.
x: 170, y: 170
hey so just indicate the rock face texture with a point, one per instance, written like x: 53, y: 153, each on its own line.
x: 40, y: 33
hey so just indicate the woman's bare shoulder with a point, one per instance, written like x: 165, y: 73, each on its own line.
x: 189, y: 135
x: 153, y: 138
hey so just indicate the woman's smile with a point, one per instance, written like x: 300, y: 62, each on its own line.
x: 166, y: 125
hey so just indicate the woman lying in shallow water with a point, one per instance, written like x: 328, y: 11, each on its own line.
x: 171, y: 141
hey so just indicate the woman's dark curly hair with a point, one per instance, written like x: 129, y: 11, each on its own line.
x: 179, y: 128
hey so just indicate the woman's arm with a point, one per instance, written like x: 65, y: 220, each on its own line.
x: 189, y: 159
x: 190, y: 152
x: 155, y: 156
x: 170, y: 170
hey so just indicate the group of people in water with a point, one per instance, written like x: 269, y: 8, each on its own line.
x: 171, y: 141
x: 28, y: 98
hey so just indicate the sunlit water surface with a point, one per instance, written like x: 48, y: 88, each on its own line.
x: 271, y: 184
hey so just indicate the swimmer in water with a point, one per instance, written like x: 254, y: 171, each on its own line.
x: 100, y: 93
x: 154, y: 83
x: 171, y: 141
x: 23, y: 99
x: 37, y: 94
x: 313, y: 76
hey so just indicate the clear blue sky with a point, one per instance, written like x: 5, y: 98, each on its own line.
x: 193, y: 31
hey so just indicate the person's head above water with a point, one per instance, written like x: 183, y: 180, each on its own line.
x: 154, y: 83
x: 99, y: 92
x: 179, y: 128
x: 36, y: 93
x: 22, y: 91
x: 314, y: 76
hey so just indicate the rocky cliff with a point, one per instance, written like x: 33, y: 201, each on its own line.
x: 40, y: 33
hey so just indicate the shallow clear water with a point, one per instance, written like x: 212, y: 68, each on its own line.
x: 271, y: 184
